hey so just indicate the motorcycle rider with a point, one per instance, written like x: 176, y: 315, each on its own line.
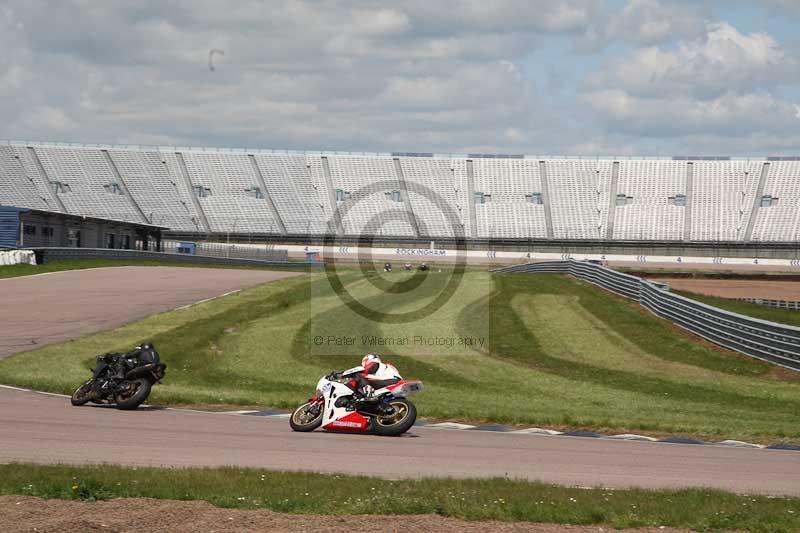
x: 375, y: 374
x: 144, y: 354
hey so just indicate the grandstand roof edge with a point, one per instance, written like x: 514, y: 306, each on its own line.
x: 166, y: 148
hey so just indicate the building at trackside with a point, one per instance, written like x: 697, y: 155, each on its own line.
x: 33, y: 228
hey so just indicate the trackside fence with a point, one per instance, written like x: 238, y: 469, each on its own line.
x: 45, y: 255
x: 230, y: 251
x: 775, y: 304
x: 769, y: 341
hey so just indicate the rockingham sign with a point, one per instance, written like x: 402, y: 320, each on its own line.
x: 427, y: 252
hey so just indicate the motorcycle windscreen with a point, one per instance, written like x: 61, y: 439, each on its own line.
x: 354, y: 370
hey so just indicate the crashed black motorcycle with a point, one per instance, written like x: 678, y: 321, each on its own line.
x: 122, y: 379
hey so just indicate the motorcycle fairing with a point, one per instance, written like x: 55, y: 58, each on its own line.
x: 339, y: 418
x: 351, y: 422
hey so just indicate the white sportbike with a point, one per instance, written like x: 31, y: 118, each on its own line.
x: 339, y: 407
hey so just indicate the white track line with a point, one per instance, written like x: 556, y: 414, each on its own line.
x: 34, y: 391
x: 187, y: 306
x: 59, y: 272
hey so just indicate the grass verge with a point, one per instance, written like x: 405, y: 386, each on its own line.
x: 471, y: 499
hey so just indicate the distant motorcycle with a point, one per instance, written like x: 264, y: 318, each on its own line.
x: 123, y: 379
x: 337, y: 407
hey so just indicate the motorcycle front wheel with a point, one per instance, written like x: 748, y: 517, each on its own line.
x: 404, y: 416
x: 307, y: 417
x: 133, y: 393
x: 81, y: 394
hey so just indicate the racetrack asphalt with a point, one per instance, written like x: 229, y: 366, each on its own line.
x: 44, y: 428
x: 60, y: 306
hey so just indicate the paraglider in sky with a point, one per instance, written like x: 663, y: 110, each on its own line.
x: 211, y: 57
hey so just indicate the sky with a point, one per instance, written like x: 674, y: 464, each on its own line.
x: 538, y: 77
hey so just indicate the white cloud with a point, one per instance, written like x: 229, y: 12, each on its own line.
x: 722, y: 60
x: 505, y: 15
x: 724, y: 83
x: 651, y: 22
x: 380, y: 21
x: 645, y: 22
x: 48, y: 118
x: 730, y: 114
x: 754, y: 143
x: 462, y: 90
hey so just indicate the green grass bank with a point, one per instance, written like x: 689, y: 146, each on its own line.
x: 496, y: 499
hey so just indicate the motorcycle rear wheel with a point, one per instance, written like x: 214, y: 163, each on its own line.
x: 299, y: 422
x: 135, y: 395
x: 81, y: 394
x: 397, y: 424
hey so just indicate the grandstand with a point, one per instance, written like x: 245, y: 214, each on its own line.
x: 410, y: 195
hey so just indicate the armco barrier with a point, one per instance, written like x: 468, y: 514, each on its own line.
x: 45, y: 255
x: 545, y: 267
x: 770, y: 341
x: 617, y: 282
